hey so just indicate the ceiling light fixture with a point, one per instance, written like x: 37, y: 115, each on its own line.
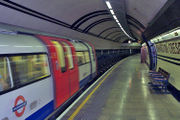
x: 117, y: 21
x: 112, y: 12
x: 114, y: 16
x: 108, y: 4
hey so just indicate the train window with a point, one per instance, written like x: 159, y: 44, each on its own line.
x: 86, y: 54
x: 28, y: 68
x: 4, y: 75
x: 81, y: 58
x: 60, y: 54
x: 69, y: 55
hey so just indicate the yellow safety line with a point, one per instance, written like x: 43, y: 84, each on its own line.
x: 89, y: 96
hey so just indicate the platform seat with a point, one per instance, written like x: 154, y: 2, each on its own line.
x: 159, y: 80
x: 153, y: 72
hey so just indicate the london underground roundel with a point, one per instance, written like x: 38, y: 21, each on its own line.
x: 19, y: 106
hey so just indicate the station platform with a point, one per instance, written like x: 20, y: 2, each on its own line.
x: 122, y: 93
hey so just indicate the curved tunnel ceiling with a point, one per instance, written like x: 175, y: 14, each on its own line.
x: 106, y: 30
x: 87, y: 17
x: 90, y: 17
x: 89, y: 27
x: 144, y: 10
x: 110, y: 35
x: 77, y: 15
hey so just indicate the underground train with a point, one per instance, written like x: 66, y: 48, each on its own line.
x: 39, y: 73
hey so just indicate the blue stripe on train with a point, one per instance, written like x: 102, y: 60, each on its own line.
x: 85, y: 81
x: 42, y: 113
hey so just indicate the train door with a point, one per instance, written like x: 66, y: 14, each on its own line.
x: 93, y: 60
x: 64, y: 67
x: 88, y: 55
x: 72, y: 73
x: 62, y: 90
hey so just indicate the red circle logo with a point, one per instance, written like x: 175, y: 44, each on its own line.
x: 19, y: 106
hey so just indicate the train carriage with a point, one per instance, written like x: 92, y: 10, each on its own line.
x: 38, y: 73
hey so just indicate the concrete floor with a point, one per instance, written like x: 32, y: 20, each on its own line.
x: 125, y: 95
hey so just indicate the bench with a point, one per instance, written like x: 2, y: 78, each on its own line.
x: 159, y: 79
x: 154, y: 73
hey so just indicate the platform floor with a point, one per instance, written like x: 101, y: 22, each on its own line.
x: 124, y: 95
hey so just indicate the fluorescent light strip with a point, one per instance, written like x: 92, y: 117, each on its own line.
x: 108, y: 4
x: 167, y: 35
x: 124, y: 30
x: 117, y: 21
x: 112, y: 12
x: 114, y: 16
